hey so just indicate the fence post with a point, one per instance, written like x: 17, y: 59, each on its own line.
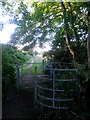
x: 77, y: 81
x: 51, y: 72
x: 35, y: 83
x: 17, y: 77
x: 43, y: 64
x: 22, y: 69
x: 53, y: 87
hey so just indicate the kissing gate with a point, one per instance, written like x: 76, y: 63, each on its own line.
x: 56, y: 87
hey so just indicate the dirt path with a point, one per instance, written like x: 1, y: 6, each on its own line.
x: 29, y: 65
x: 27, y: 81
x: 20, y: 104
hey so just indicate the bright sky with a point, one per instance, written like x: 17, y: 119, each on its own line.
x: 9, y: 29
x: 5, y: 34
x: 46, y: 48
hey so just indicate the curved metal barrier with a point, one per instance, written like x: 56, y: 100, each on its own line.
x: 56, y: 90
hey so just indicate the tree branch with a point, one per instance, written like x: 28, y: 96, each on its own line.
x: 66, y: 33
x: 73, y: 27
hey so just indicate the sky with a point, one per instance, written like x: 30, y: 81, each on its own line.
x: 6, y: 33
x: 41, y: 50
x: 8, y: 30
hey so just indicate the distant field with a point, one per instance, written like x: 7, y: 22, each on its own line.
x: 35, y: 61
x: 38, y: 61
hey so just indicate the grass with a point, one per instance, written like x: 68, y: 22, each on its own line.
x: 24, y: 71
x: 29, y: 61
x: 37, y: 63
x: 32, y: 69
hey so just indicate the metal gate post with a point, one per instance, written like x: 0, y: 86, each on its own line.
x: 43, y: 64
x: 51, y: 72
x: 35, y: 83
x: 53, y: 88
x: 17, y: 77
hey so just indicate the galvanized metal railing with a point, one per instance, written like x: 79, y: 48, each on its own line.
x: 50, y: 95
x: 54, y: 90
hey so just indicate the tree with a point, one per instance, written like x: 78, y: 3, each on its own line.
x: 66, y: 30
x: 87, y: 93
x: 88, y: 39
x: 63, y: 23
x: 46, y: 19
x: 10, y: 57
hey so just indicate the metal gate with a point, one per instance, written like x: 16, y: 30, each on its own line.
x: 57, y: 88
x: 25, y: 75
x: 54, y: 87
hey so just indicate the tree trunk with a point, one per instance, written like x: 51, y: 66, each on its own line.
x: 66, y: 33
x: 73, y: 27
x: 87, y: 91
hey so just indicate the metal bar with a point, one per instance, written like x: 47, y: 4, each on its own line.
x: 51, y: 99
x: 61, y: 63
x: 63, y: 100
x: 59, y: 80
x: 43, y: 76
x: 66, y: 80
x: 53, y: 88
x: 40, y: 87
x: 43, y: 65
x: 17, y: 77
x: 63, y: 90
x: 65, y: 69
x: 22, y: 70
x: 63, y: 108
x: 77, y: 82
x: 44, y: 97
x: 56, y: 90
x: 50, y: 70
x: 35, y: 83
x: 62, y: 69
x: 44, y: 88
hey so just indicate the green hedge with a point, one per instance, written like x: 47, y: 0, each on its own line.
x: 10, y: 57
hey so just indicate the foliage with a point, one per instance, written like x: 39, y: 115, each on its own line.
x: 46, y: 19
x: 26, y: 68
x: 60, y: 53
x: 10, y: 57
x: 38, y: 64
x: 65, y: 24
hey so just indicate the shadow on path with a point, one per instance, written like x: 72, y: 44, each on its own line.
x: 20, y: 105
